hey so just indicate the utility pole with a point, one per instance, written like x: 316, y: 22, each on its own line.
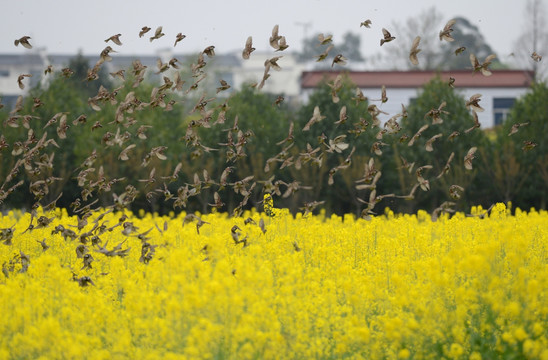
x: 534, y: 11
x: 305, y: 26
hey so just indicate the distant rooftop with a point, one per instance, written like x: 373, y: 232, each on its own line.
x: 147, y: 60
x: 414, y: 79
x: 118, y: 60
x: 16, y: 59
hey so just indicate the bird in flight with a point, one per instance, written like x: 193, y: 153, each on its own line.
x: 414, y: 51
x: 23, y: 41
x: 445, y: 34
x: 387, y: 37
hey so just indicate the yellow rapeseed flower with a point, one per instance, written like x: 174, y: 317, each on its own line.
x: 394, y: 286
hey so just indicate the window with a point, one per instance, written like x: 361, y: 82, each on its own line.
x: 9, y: 101
x: 501, y: 109
x: 229, y: 78
x: 4, y: 73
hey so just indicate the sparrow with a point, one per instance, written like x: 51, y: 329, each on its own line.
x: 248, y: 49
x: 483, y: 66
x: 470, y: 155
x: 414, y: 51
x: 279, y: 100
x: 144, y: 30
x: 476, y: 125
x: 178, y: 38
x: 455, y: 191
x: 316, y: 117
x: 447, y: 166
x: 23, y: 41
x: 387, y: 36
x: 430, y: 142
x: 339, y: 59
x: 516, y: 127
x: 445, y: 34
x: 20, y: 80
x: 310, y: 206
x: 473, y: 103
x: 417, y: 135
x: 209, y: 51
x: 528, y: 145
x: 157, y: 34
x: 115, y: 39
x: 275, y: 38
x: 460, y: 50
x: 436, y: 113
x: 282, y: 44
x: 323, y: 55
x: 366, y: 23
x: 224, y: 86
x: 119, y: 74
x: 324, y: 40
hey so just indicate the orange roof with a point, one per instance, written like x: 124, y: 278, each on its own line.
x: 414, y: 79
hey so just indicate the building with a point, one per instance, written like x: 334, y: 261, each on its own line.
x: 284, y: 82
x: 293, y: 81
x: 222, y: 66
x: 229, y: 67
x: 499, y: 91
x: 11, y: 66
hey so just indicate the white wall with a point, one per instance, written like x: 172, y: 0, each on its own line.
x: 486, y: 118
x: 285, y: 81
x: 399, y: 96
x: 9, y: 85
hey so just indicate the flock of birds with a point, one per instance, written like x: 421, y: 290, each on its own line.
x: 35, y: 155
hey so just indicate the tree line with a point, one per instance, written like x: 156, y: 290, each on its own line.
x: 328, y: 164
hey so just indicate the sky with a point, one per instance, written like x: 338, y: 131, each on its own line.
x: 69, y: 26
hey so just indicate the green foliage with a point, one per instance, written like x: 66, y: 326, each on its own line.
x: 322, y: 97
x: 69, y: 96
x: 532, y: 165
x: 80, y: 66
x: 468, y: 35
x: 456, y: 117
x: 262, y: 149
x: 262, y: 122
x: 258, y: 112
x: 163, y: 127
x: 62, y: 95
x: 435, y: 55
x: 349, y: 47
x: 340, y: 198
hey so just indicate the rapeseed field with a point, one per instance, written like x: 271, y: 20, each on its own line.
x: 247, y: 278
x: 269, y: 285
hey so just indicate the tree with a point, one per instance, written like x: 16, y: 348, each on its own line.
x: 349, y: 47
x: 264, y: 123
x: 508, y: 176
x: 530, y: 110
x: 341, y: 197
x: 67, y: 97
x: 61, y: 95
x: 426, y: 25
x: 534, y: 37
x: 161, y: 128
x: 468, y: 35
x: 80, y: 66
x: 456, y: 117
x: 435, y: 55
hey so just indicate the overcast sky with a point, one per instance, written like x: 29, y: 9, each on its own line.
x: 66, y: 26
